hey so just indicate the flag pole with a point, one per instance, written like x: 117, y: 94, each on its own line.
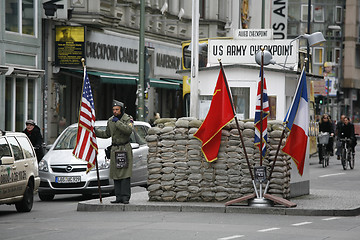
x: 276, y: 155
x: 96, y: 161
x: 261, y: 107
x: 238, y: 127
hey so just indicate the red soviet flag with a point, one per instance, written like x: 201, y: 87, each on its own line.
x: 221, y: 112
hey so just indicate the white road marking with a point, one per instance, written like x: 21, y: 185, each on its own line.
x: 330, y: 175
x: 268, y: 229
x: 301, y: 223
x: 332, y: 218
x: 231, y: 237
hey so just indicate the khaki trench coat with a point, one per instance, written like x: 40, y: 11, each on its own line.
x: 119, y: 132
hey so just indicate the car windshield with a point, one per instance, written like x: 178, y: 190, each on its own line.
x: 68, y: 139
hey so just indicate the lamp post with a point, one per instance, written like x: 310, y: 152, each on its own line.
x: 140, y: 89
x: 312, y: 40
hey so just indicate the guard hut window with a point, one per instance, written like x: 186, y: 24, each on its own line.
x: 20, y: 16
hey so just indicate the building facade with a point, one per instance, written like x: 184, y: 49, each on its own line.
x: 20, y: 64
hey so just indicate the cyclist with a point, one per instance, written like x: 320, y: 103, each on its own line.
x: 348, y: 131
x: 325, y: 125
x: 339, y: 125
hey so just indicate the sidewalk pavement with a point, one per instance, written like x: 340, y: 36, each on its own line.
x: 317, y: 203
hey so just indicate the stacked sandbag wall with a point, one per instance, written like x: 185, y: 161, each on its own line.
x: 178, y: 171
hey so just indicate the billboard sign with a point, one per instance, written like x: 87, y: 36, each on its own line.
x: 69, y: 45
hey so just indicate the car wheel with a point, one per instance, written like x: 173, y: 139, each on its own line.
x: 46, y: 197
x: 25, y: 205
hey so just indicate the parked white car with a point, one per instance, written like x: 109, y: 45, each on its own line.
x: 62, y: 173
x: 19, y: 176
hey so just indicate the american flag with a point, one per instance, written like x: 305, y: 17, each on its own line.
x: 86, y: 147
x: 265, y: 114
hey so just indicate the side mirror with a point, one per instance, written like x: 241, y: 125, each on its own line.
x: 7, y: 160
x: 48, y: 147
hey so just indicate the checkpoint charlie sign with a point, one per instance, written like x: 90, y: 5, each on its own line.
x: 243, y: 51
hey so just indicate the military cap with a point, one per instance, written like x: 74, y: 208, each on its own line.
x: 117, y: 103
x: 30, y: 121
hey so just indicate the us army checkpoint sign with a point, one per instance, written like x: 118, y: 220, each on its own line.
x: 243, y: 51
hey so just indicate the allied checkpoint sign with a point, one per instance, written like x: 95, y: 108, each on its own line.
x: 243, y: 51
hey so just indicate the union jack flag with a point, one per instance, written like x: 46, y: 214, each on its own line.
x: 265, y: 114
x: 86, y: 147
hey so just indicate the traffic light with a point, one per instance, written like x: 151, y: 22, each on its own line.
x: 320, y: 101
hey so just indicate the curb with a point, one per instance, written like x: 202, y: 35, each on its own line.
x: 87, y: 206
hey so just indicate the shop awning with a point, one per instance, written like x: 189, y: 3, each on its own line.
x: 166, y: 83
x: 111, y: 78
x: 3, y: 69
x: 114, y: 78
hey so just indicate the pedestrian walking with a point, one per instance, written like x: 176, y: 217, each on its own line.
x: 34, y: 134
x: 119, y: 128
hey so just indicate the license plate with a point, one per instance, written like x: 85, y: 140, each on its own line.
x: 72, y: 179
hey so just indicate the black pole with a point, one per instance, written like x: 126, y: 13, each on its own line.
x: 261, y: 105
x: 308, y: 32
x: 236, y: 121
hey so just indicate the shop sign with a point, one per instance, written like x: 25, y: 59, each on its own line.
x: 167, y: 60
x: 243, y: 51
x: 112, y: 52
x: 279, y: 18
x: 253, y: 34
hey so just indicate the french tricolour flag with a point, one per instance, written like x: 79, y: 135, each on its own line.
x: 297, y: 122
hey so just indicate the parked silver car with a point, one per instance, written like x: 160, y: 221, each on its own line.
x: 62, y: 173
x: 19, y: 176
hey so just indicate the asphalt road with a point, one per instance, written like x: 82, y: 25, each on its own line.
x: 59, y: 220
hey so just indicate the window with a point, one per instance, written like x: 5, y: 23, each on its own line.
x: 18, y: 154
x: 337, y: 55
x: 20, y: 16
x: 272, y: 107
x: 318, y: 14
x: 202, y: 9
x: 304, y: 13
x: 20, y: 104
x: 241, y: 97
x: 25, y: 144
x: 4, y: 148
x: 318, y: 55
x: 338, y: 14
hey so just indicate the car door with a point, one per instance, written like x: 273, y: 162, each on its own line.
x: 18, y: 170
x: 5, y: 171
x: 139, y: 176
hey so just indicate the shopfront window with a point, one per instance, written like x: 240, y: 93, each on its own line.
x: 20, y: 16
x: 8, y: 103
x: 31, y: 98
x: 20, y: 100
x: 20, y: 97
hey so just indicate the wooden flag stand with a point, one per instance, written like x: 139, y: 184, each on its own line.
x: 260, y: 199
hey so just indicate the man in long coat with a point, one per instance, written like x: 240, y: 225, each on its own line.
x: 119, y: 128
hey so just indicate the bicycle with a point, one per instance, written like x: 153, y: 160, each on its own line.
x: 347, y: 153
x: 324, y: 154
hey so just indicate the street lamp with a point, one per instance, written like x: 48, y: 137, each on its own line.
x: 313, y: 40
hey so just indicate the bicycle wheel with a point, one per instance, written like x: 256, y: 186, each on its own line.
x: 327, y: 158
x: 324, y: 155
x: 352, y: 160
x: 343, y: 159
